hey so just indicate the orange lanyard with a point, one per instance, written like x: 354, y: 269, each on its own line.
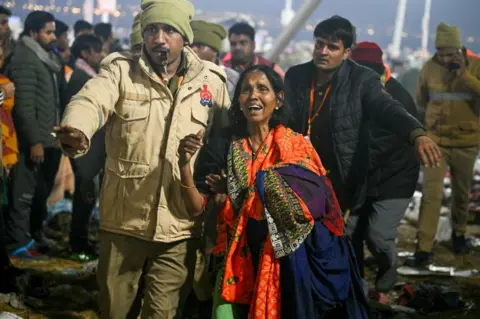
x: 180, y: 81
x: 312, y: 116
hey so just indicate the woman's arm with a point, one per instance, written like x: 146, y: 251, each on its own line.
x: 194, y: 200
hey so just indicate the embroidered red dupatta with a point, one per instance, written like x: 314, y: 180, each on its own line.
x: 240, y: 284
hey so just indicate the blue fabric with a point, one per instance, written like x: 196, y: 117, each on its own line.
x: 309, y: 187
x: 320, y: 279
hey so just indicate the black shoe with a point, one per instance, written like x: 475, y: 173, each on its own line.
x: 43, y: 244
x: 84, y: 253
x: 419, y: 260
x: 459, y: 244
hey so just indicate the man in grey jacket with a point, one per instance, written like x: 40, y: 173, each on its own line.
x: 207, y: 44
x: 37, y: 74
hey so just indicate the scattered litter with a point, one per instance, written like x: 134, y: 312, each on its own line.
x: 433, y: 270
x: 87, y: 269
x: 444, y: 229
x: 474, y: 241
x: 16, y: 303
x: 431, y: 298
x: 405, y: 254
x: 9, y: 315
x: 404, y: 309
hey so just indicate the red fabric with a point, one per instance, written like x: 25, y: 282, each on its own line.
x: 388, y: 73
x: 472, y: 54
x: 240, y: 284
x: 367, y: 52
x: 257, y: 60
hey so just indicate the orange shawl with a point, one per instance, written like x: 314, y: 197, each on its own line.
x: 240, y: 284
x: 9, y: 136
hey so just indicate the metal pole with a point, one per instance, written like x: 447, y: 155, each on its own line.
x: 398, y: 32
x: 425, y: 25
x: 287, y: 34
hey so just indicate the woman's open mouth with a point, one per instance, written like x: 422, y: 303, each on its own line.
x: 255, y: 108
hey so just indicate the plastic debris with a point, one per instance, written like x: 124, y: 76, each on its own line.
x: 433, y: 270
x: 405, y: 254
x: 16, y: 303
x: 9, y: 315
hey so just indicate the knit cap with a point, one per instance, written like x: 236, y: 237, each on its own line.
x: 368, y: 52
x: 210, y: 34
x: 176, y: 13
x: 136, y: 35
x: 448, y: 36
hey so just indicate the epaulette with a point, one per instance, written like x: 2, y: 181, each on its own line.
x: 118, y: 56
x: 217, y: 70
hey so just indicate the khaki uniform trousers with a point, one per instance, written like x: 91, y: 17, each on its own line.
x: 131, y: 268
x: 461, y: 162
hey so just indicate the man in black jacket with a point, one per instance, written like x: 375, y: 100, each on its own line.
x: 392, y: 176
x: 36, y: 72
x: 337, y: 101
x: 87, y: 52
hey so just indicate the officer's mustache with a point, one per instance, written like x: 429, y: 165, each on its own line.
x: 161, y: 49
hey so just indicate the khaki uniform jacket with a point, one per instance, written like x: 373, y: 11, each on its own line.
x: 141, y: 193
x: 452, y: 103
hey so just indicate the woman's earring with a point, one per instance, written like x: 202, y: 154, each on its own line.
x: 277, y: 107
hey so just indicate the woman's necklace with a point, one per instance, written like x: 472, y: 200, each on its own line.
x: 254, y: 153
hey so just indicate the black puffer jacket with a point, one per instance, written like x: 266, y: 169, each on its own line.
x: 38, y: 98
x: 357, y: 100
x: 393, y: 169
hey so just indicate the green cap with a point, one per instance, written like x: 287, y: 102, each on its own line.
x: 207, y: 33
x: 448, y: 36
x: 176, y: 13
x: 136, y: 35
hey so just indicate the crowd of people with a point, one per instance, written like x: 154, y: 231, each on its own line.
x: 221, y: 175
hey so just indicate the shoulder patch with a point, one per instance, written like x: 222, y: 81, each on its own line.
x: 215, y: 69
x: 118, y: 56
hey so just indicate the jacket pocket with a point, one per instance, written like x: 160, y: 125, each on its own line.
x: 127, y: 169
x: 130, y: 120
x: 200, y: 116
x: 124, y: 202
x: 468, y: 127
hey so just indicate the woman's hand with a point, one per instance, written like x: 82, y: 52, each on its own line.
x: 189, y: 146
x: 217, y: 183
x: 8, y: 90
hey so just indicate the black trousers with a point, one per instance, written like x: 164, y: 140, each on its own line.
x: 4, y: 260
x: 82, y: 210
x: 31, y: 185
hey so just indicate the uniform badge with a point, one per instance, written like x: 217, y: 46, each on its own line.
x: 206, y: 96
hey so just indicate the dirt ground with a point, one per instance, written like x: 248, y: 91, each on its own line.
x: 61, y: 288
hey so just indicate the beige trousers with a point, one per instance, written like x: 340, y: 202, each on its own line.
x: 461, y: 162
x: 131, y: 268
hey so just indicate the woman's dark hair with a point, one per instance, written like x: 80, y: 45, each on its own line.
x: 87, y: 42
x: 336, y: 28
x: 60, y: 28
x: 5, y: 11
x: 242, y: 28
x: 280, y: 116
x: 36, y: 20
x: 103, y: 30
x: 81, y: 25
